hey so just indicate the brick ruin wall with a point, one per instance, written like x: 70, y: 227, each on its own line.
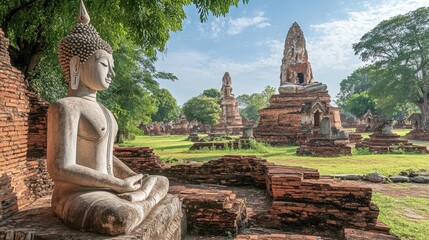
x: 300, y: 197
x: 23, y: 175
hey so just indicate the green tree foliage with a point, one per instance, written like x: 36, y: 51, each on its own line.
x: 398, y: 50
x: 130, y: 97
x: 167, y: 106
x: 353, y: 96
x: 135, y: 29
x: 212, y: 92
x: 359, y: 103
x: 203, y: 109
x: 34, y: 27
x: 249, y: 105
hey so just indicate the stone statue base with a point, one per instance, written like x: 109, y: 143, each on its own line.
x: 39, y: 222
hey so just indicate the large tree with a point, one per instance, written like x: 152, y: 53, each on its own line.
x: 34, y: 27
x: 212, y: 92
x: 353, y: 96
x: 204, y: 109
x: 249, y: 105
x: 398, y: 50
x: 167, y: 106
x: 135, y: 29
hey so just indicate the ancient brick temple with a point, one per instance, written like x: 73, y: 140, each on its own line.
x: 230, y: 121
x: 301, y: 103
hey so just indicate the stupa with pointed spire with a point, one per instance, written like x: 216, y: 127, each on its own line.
x: 301, y: 103
x: 230, y: 121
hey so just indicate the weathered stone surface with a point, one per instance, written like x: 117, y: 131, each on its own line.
x: 399, y: 179
x: 375, y: 177
x: 230, y: 121
x: 420, y: 179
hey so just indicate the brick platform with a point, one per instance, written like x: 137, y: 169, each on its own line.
x: 384, y: 143
x: 320, y: 146
x: 355, y: 137
x: 418, y: 135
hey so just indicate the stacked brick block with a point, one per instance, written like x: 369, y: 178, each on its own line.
x: 213, y: 212
x: 22, y: 139
x: 229, y: 170
x: 140, y: 159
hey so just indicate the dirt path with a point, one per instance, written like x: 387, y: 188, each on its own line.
x: 399, y: 189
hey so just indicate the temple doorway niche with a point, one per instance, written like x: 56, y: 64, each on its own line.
x: 317, y: 119
x: 301, y: 78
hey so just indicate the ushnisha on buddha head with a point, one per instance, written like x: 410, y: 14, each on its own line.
x: 85, y: 57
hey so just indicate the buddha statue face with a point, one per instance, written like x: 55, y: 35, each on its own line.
x: 97, y: 72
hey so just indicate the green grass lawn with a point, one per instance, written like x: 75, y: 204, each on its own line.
x: 360, y: 162
x: 392, y: 210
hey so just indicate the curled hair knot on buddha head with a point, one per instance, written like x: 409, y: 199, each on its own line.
x: 82, y: 41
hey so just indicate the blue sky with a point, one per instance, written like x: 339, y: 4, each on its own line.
x: 248, y: 43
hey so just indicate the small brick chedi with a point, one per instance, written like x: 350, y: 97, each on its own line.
x: 301, y: 103
x: 383, y: 140
x: 230, y: 121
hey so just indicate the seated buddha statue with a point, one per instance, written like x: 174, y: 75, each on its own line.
x: 94, y: 190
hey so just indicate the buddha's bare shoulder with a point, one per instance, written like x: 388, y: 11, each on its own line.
x: 68, y: 105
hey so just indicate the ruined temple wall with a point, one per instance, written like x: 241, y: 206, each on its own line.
x: 23, y: 175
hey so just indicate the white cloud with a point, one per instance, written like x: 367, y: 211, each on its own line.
x: 238, y: 25
x: 217, y: 27
x: 331, y: 46
x: 233, y: 26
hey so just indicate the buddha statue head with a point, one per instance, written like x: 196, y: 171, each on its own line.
x: 85, y: 57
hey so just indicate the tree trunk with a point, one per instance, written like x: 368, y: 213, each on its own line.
x: 424, y: 109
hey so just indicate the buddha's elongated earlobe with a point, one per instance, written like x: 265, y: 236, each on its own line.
x: 74, y: 72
